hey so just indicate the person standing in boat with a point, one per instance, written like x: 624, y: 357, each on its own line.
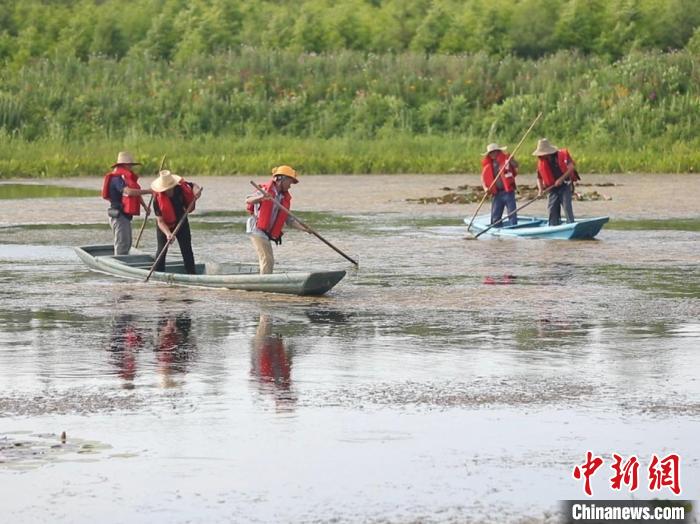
x: 498, y: 177
x: 173, y: 198
x: 556, y: 171
x: 267, y: 220
x: 120, y: 186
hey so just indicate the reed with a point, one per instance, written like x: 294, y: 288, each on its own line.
x: 347, y: 112
x: 230, y: 155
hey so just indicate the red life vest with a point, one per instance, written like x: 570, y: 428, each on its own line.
x: 167, y: 210
x: 131, y: 205
x: 265, y: 209
x: 545, y: 171
x: 508, y: 174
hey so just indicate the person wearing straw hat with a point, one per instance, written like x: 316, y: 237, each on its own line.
x: 498, y: 178
x: 120, y: 186
x: 267, y: 220
x: 173, y: 199
x: 556, y: 173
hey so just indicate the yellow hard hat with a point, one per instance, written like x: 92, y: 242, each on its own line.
x: 287, y: 171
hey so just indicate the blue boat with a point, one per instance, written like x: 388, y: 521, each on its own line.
x: 534, y: 227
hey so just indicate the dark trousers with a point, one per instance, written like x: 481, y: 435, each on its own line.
x: 501, y: 200
x: 560, y: 197
x: 184, y: 240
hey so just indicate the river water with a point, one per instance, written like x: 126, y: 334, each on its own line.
x: 445, y: 380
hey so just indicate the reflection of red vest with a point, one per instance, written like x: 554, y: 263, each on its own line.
x: 545, y: 171
x: 132, y: 342
x: 264, y: 220
x: 167, y: 210
x: 132, y: 339
x: 131, y: 205
x: 507, y: 175
x: 273, y: 364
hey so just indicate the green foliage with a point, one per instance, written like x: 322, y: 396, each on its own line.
x: 330, y: 79
x: 432, y: 29
x: 227, y: 155
x: 694, y: 42
x: 329, y: 110
x: 181, y: 29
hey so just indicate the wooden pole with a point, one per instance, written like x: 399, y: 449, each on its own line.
x: 150, y: 202
x: 519, y: 208
x: 500, y: 171
x: 280, y: 206
x: 172, y: 237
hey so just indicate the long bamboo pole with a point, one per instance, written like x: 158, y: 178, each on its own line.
x: 150, y: 203
x: 172, y: 237
x: 500, y: 171
x: 309, y: 229
x: 515, y: 211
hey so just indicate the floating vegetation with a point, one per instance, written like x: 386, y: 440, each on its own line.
x: 25, y: 450
x: 467, y: 194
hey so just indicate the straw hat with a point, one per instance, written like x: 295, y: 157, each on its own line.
x: 544, y: 148
x: 494, y: 147
x: 287, y: 171
x: 166, y: 180
x: 124, y: 157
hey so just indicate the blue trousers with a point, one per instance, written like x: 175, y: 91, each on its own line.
x: 501, y: 200
x: 560, y: 197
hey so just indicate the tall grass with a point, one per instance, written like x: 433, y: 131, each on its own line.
x: 225, y: 155
x: 347, y: 112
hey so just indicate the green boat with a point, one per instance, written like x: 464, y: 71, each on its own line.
x: 228, y: 275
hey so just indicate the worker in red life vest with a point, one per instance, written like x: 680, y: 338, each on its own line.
x: 498, y: 177
x: 120, y: 186
x: 556, y: 170
x: 173, y: 197
x: 267, y: 220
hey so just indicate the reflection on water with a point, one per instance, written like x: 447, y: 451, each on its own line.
x: 124, y: 344
x: 475, y: 373
x: 170, y: 338
x: 500, y: 280
x: 271, y: 364
x: 677, y: 281
x: 175, y: 347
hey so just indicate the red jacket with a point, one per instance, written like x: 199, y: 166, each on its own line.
x: 507, y: 175
x: 167, y: 210
x: 265, y: 209
x: 544, y: 171
x: 131, y: 205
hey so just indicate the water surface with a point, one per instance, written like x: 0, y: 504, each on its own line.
x: 445, y: 380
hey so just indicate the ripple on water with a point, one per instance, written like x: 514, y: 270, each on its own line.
x: 478, y: 332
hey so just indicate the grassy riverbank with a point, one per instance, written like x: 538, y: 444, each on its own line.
x: 400, y: 154
x: 347, y: 112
